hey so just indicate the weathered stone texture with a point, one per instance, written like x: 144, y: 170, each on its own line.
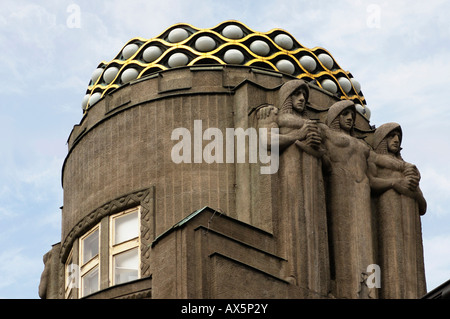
x: 222, y: 230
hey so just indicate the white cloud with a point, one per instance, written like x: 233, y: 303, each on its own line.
x: 437, y: 257
x: 29, y: 41
x: 5, y: 214
x: 18, y: 272
x: 413, y: 86
x: 71, y: 82
x: 435, y: 185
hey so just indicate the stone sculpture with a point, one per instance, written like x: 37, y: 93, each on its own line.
x: 328, y: 181
x: 335, y: 206
x: 43, y: 284
x: 399, y: 203
x: 348, y: 203
x: 303, y: 227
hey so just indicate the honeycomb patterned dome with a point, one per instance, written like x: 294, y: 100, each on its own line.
x: 228, y: 43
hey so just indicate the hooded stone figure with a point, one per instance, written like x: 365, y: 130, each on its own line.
x: 333, y: 118
x: 398, y: 203
x: 290, y: 87
x: 302, y: 225
x: 348, y: 204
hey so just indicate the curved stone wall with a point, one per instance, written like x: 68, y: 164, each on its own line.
x: 123, y: 145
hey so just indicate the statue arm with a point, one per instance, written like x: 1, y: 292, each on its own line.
x: 413, y: 176
x: 313, y: 140
x: 387, y: 162
x: 408, y: 185
x: 415, y: 194
x: 326, y: 160
x: 285, y: 140
x: 421, y: 201
x: 268, y: 118
x: 377, y: 184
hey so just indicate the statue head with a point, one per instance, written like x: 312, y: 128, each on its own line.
x: 341, y: 116
x: 293, y: 96
x: 387, y: 139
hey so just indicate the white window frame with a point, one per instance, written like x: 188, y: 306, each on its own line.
x: 115, y: 249
x: 92, y: 263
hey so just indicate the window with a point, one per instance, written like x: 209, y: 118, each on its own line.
x: 89, y: 270
x: 124, y: 251
x: 90, y: 246
x: 90, y: 282
x: 126, y: 266
x: 101, y: 265
x: 125, y: 226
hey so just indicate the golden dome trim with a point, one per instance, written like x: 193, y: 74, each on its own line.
x: 193, y: 56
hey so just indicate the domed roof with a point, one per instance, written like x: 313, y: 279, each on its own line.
x: 230, y: 42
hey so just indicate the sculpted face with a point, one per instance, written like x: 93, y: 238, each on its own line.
x: 346, y: 121
x: 393, y: 142
x: 299, y: 100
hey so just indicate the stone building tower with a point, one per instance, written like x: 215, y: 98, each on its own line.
x: 164, y: 195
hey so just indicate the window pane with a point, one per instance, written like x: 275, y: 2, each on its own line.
x: 126, y: 266
x: 90, y: 246
x: 90, y: 282
x: 126, y: 227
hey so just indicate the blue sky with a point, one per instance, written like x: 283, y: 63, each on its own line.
x: 398, y: 50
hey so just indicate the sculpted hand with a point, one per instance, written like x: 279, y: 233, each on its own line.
x: 412, y: 175
x: 403, y: 184
x: 263, y: 113
x: 267, y: 113
x: 313, y: 139
x: 301, y: 133
x: 413, y: 181
x: 411, y: 170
